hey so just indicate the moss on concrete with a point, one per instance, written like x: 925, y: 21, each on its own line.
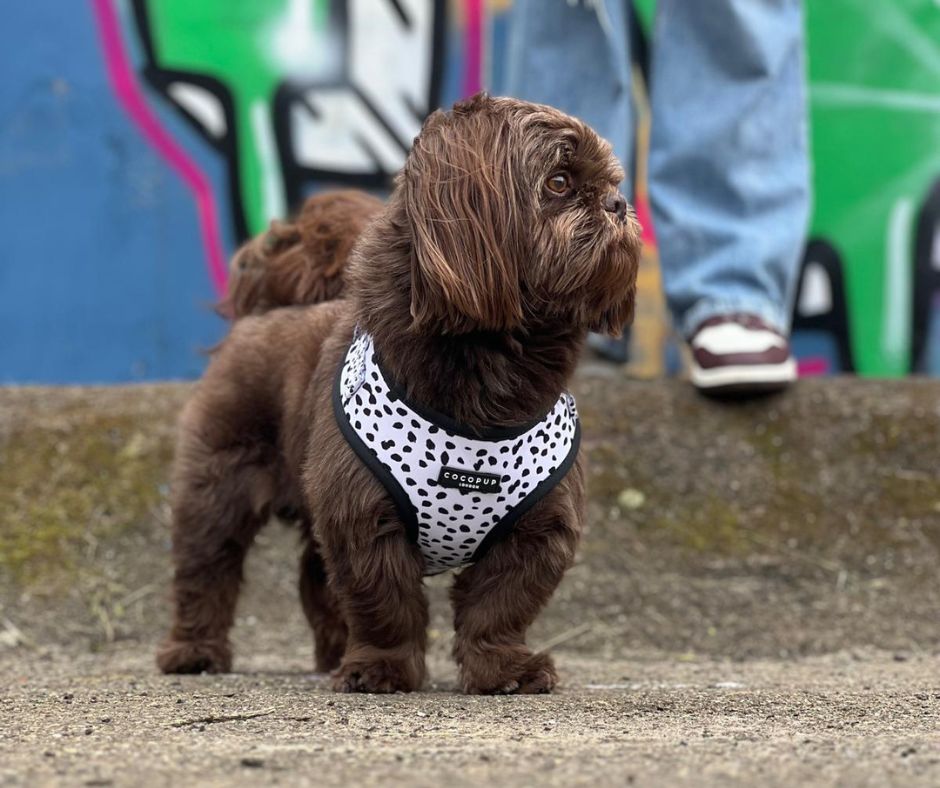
x: 714, y: 528
x: 63, y: 488
x: 794, y: 525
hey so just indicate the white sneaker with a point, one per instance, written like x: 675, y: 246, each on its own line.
x: 740, y: 354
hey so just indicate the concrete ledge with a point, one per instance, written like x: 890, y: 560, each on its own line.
x: 805, y: 523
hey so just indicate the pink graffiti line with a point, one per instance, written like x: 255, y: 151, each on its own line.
x: 473, y: 47
x: 125, y: 87
x: 645, y: 218
x: 813, y: 366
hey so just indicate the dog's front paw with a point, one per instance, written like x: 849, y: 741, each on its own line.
x: 380, y: 675
x: 498, y: 672
x: 539, y: 676
x: 184, y: 656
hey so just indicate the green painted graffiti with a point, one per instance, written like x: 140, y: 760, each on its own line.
x: 289, y: 89
x: 247, y: 48
x: 875, y: 124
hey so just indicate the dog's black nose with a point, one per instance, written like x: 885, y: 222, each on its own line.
x: 616, y: 203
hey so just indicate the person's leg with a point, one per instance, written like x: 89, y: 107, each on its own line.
x: 728, y: 167
x: 575, y: 56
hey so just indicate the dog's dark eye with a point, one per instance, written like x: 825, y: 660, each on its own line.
x: 558, y: 183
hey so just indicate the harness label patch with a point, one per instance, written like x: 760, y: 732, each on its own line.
x: 468, y: 481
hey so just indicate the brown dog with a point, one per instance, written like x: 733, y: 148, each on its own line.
x: 504, y: 242
x: 300, y: 261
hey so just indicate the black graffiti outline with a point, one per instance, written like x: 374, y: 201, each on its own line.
x: 295, y: 177
x: 160, y: 78
x: 926, y: 279
x: 834, y: 322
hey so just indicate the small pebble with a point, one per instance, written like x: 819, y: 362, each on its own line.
x: 631, y: 499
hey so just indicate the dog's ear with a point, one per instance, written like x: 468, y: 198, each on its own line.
x: 463, y: 221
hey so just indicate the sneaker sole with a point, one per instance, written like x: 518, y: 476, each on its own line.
x: 756, y: 377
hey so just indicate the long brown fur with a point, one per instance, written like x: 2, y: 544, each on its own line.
x: 301, y: 261
x: 478, y: 285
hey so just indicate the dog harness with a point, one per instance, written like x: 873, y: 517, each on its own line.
x: 457, y: 489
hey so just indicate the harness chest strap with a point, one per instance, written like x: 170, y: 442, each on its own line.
x: 456, y: 490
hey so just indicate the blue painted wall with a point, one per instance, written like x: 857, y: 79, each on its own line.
x: 101, y: 276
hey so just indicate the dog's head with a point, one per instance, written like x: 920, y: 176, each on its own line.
x: 301, y: 261
x: 515, y: 218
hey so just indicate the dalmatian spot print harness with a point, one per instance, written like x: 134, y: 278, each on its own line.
x: 457, y: 490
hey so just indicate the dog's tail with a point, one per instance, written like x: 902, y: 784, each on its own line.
x: 298, y: 262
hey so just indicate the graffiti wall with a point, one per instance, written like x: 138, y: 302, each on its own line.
x: 871, y: 276
x: 142, y: 140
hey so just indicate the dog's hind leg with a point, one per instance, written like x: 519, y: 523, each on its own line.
x: 221, y: 500
x: 321, y: 609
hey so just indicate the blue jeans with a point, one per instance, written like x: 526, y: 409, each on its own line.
x: 728, y: 161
